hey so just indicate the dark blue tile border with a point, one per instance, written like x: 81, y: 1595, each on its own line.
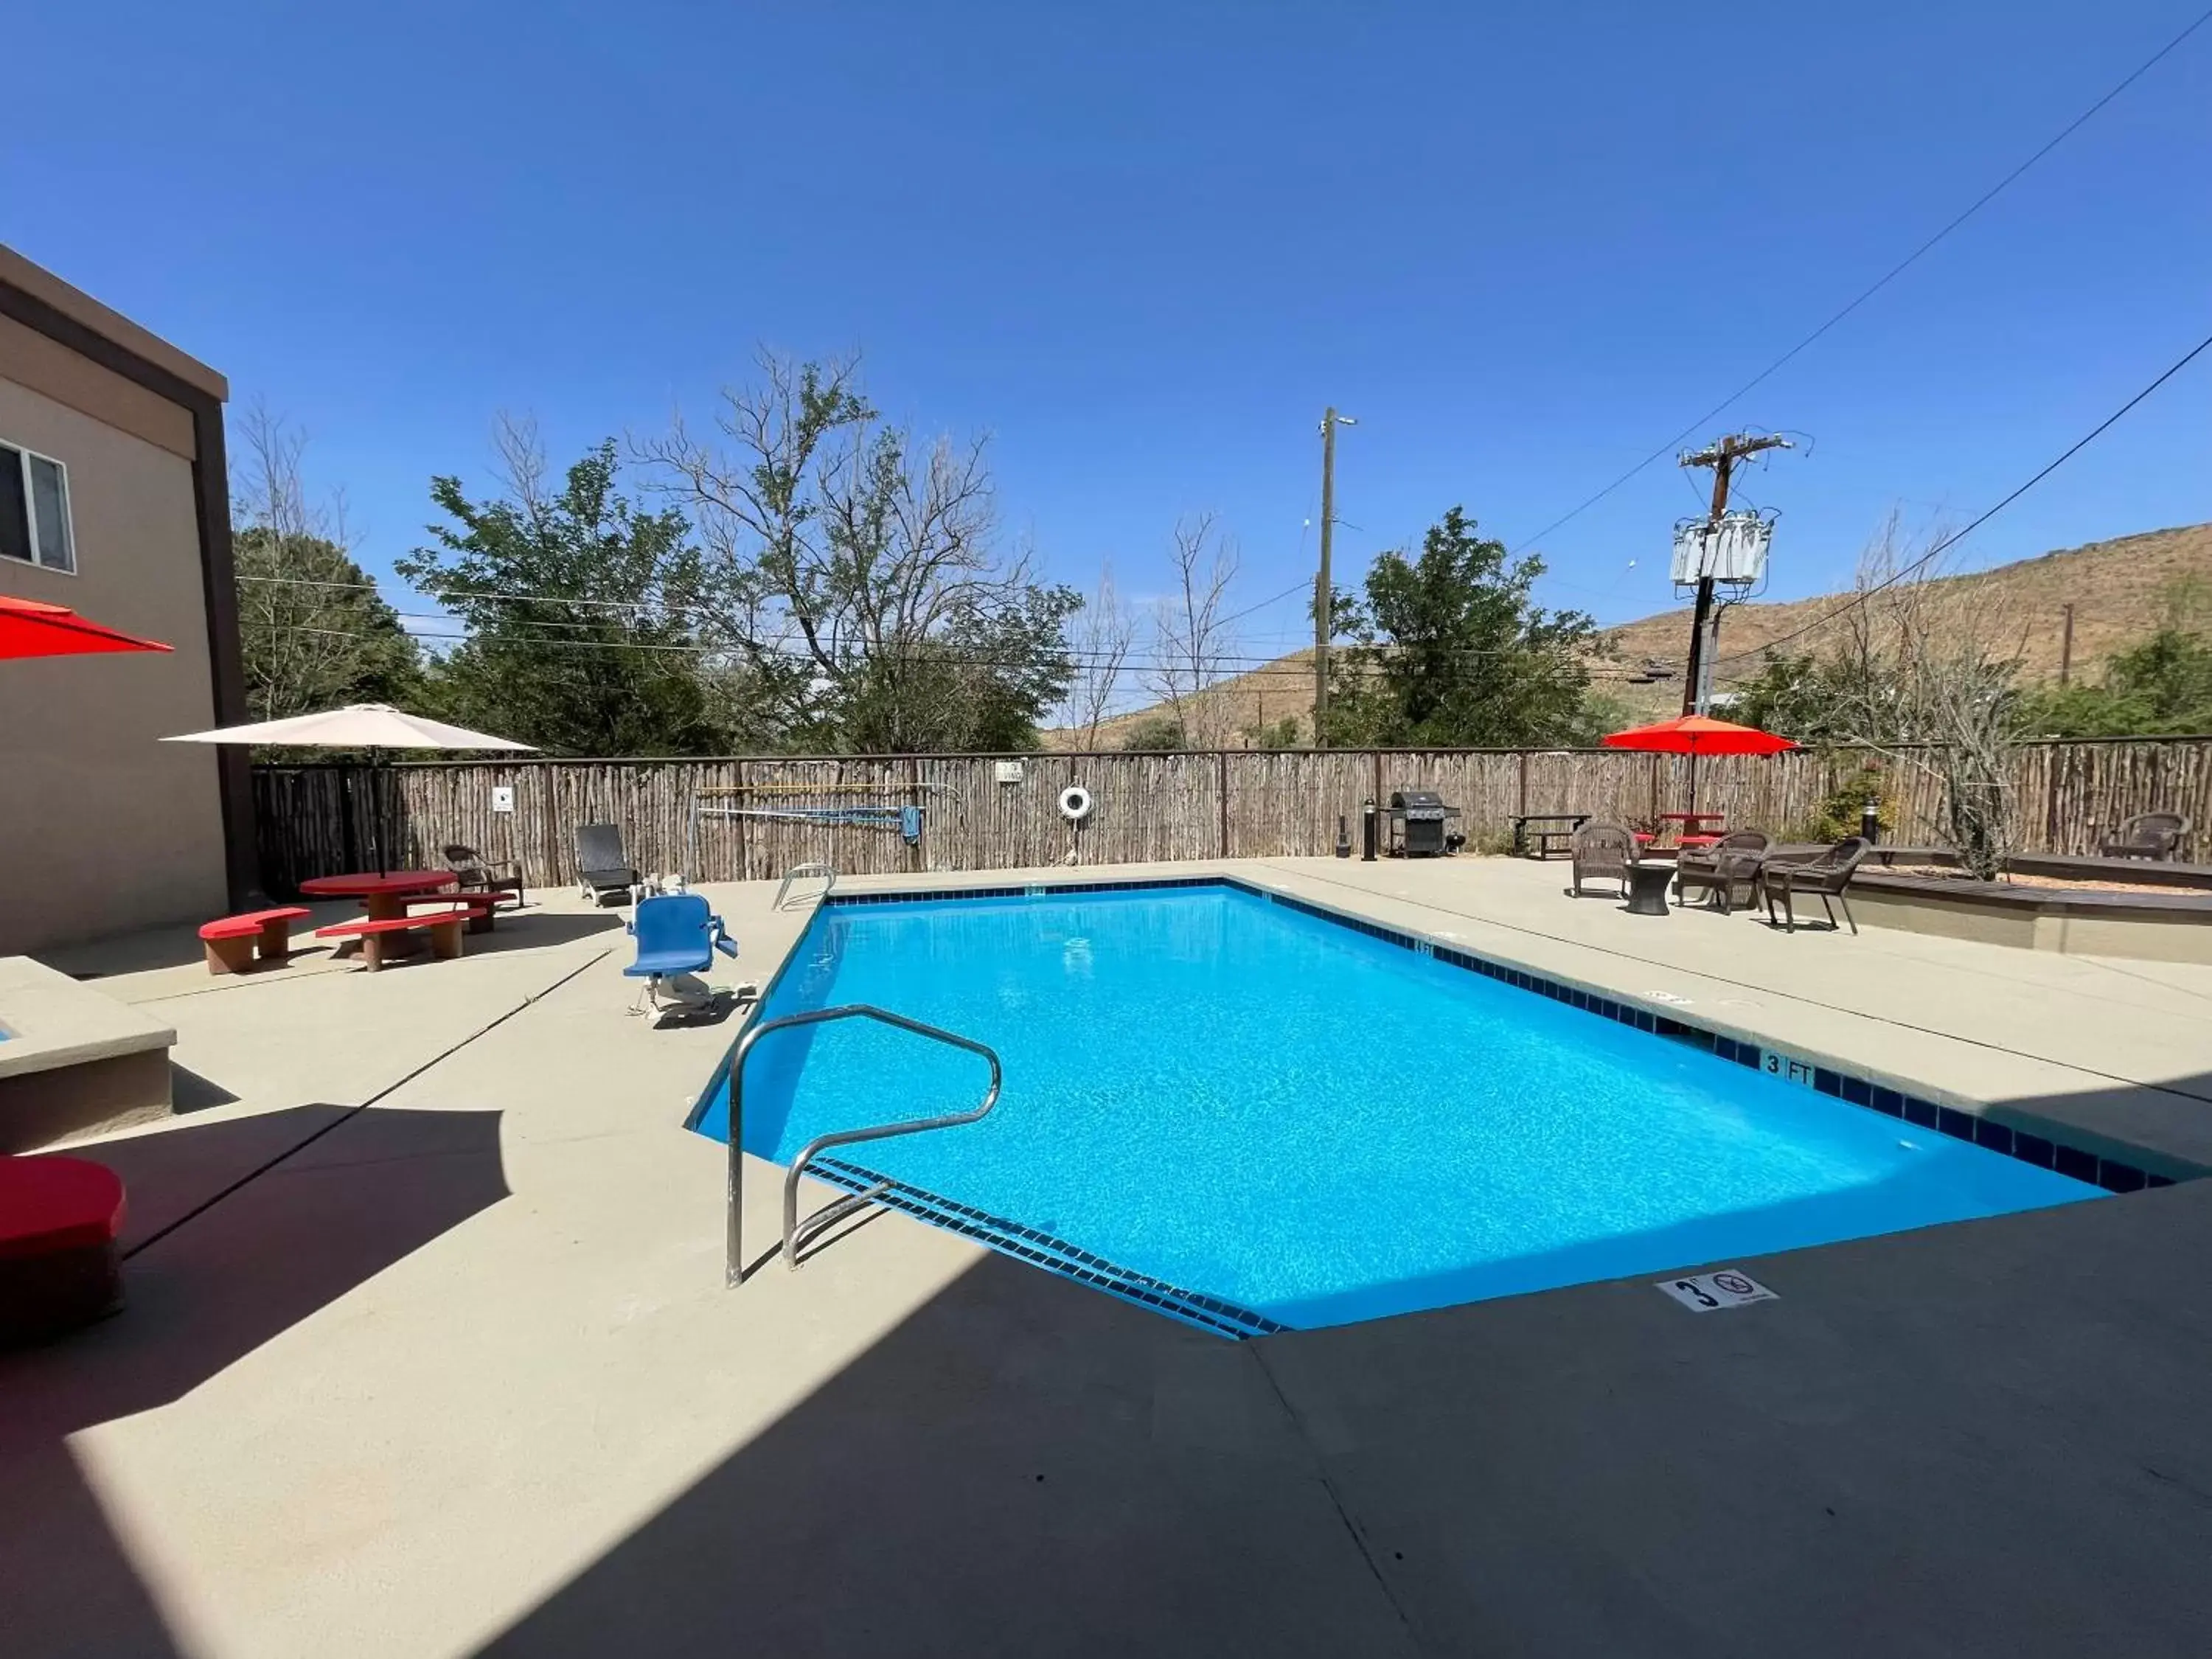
x: 1043, y: 1250
x: 2111, y: 1173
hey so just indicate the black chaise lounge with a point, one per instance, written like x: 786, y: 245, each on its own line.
x: 602, y: 866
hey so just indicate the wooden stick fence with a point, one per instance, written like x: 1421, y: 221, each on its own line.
x: 316, y: 819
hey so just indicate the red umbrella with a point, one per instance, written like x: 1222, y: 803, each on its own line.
x: 30, y: 628
x: 1698, y: 734
x: 1694, y: 735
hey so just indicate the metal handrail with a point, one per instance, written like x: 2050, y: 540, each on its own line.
x: 799, y: 870
x: 734, y: 1270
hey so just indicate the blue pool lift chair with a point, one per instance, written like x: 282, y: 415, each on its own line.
x: 677, y: 935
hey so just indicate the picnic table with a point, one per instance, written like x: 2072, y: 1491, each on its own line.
x: 1548, y: 841
x: 385, y: 895
x: 1690, y: 829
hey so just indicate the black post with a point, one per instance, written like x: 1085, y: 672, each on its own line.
x: 1343, y: 838
x: 1870, y: 822
x: 1367, y: 831
x: 349, y: 854
x: 377, y: 762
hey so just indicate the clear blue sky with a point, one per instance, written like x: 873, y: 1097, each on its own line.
x: 1145, y: 244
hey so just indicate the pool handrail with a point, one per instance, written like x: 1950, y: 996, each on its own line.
x: 796, y: 871
x: 795, y: 1231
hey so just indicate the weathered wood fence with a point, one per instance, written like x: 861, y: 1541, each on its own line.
x: 317, y: 819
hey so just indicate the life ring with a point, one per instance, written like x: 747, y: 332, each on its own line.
x: 1075, y: 803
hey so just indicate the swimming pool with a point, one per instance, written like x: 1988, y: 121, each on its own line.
x: 1262, y: 1110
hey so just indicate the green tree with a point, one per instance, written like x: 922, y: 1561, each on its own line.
x: 854, y: 575
x: 1451, y: 651
x: 1154, y: 734
x: 313, y: 631
x: 1273, y: 734
x: 573, y: 600
x: 2161, y: 688
x: 1796, y: 695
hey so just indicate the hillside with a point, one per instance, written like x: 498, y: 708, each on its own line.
x: 2118, y: 589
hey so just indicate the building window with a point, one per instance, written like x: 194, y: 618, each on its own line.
x: 35, y: 512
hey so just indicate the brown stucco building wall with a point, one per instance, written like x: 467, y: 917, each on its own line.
x: 103, y: 827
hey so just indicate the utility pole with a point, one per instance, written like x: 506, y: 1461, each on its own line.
x: 1704, y: 626
x: 2066, y: 647
x: 1323, y: 593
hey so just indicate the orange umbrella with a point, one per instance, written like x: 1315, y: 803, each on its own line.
x: 1698, y: 734
x: 29, y: 628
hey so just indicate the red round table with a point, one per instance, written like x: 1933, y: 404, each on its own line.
x: 384, y: 897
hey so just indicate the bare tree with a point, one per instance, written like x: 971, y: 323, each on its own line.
x: 1194, y: 641
x: 1925, y: 673
x: 1105, y: 634
x: 312, y: 631
x: 856, y: 572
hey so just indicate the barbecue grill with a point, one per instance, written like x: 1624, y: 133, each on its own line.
x: 1417, y: 824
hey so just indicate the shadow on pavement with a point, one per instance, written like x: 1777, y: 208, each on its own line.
x: 66, y: 1586
x: 1024, y: 1467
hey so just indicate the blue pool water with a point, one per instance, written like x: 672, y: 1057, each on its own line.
x: 1282, y: 1112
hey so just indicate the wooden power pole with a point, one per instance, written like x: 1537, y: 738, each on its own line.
x: 1323, y: 593
x: 1705, y: 629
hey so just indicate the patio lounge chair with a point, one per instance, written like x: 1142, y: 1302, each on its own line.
x: 677, y: 934
x: 1602, y: 852
x: 1730, y: 864
x: 2148, y: 836
x: 602, y: 866
x: 1824, y: 876
x: 480, y: 875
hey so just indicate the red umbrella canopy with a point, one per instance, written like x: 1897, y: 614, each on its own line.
x: 1698, y: 734
x: 30, y: 628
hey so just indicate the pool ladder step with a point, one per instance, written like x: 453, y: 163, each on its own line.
x: 797, y: 1232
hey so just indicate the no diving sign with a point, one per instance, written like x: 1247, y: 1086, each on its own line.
x: 1707, y: 1292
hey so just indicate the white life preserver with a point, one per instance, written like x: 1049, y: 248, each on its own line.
x: 1075, y: 803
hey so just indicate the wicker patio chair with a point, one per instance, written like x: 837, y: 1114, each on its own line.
x: 481, y: 875
x: 2148, y: 836
x: 1602, y: 852
x: 1824, y: 877
x: 1730, y: 866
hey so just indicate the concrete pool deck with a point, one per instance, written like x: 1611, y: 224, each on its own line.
x: 427, y: 1352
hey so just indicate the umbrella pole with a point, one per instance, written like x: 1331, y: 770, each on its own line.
x: 376, y: 762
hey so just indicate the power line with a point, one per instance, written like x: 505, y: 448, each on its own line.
x: 1230, y: 666
x: 1880, y: 284
x: 653, y: 605
x: 1958, y: 536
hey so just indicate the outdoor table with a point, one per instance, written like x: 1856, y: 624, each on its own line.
x: 1693, y: 824
x: 384, y: 897
x: 1647, y: 888
x: 1573, y: 821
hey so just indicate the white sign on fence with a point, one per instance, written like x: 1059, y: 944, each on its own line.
x: 1710, y: 1292
x: 502, y: 798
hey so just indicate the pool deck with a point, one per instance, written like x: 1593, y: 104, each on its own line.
x: 429, y: 1353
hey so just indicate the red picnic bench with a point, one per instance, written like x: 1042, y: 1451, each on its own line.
x: 235, y: 943
x: 443, y: 932
x: 478, y: 908
x: 442, y: 928
x: 58, y: 1264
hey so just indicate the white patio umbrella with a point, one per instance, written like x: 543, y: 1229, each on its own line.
x: 375, y: 726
